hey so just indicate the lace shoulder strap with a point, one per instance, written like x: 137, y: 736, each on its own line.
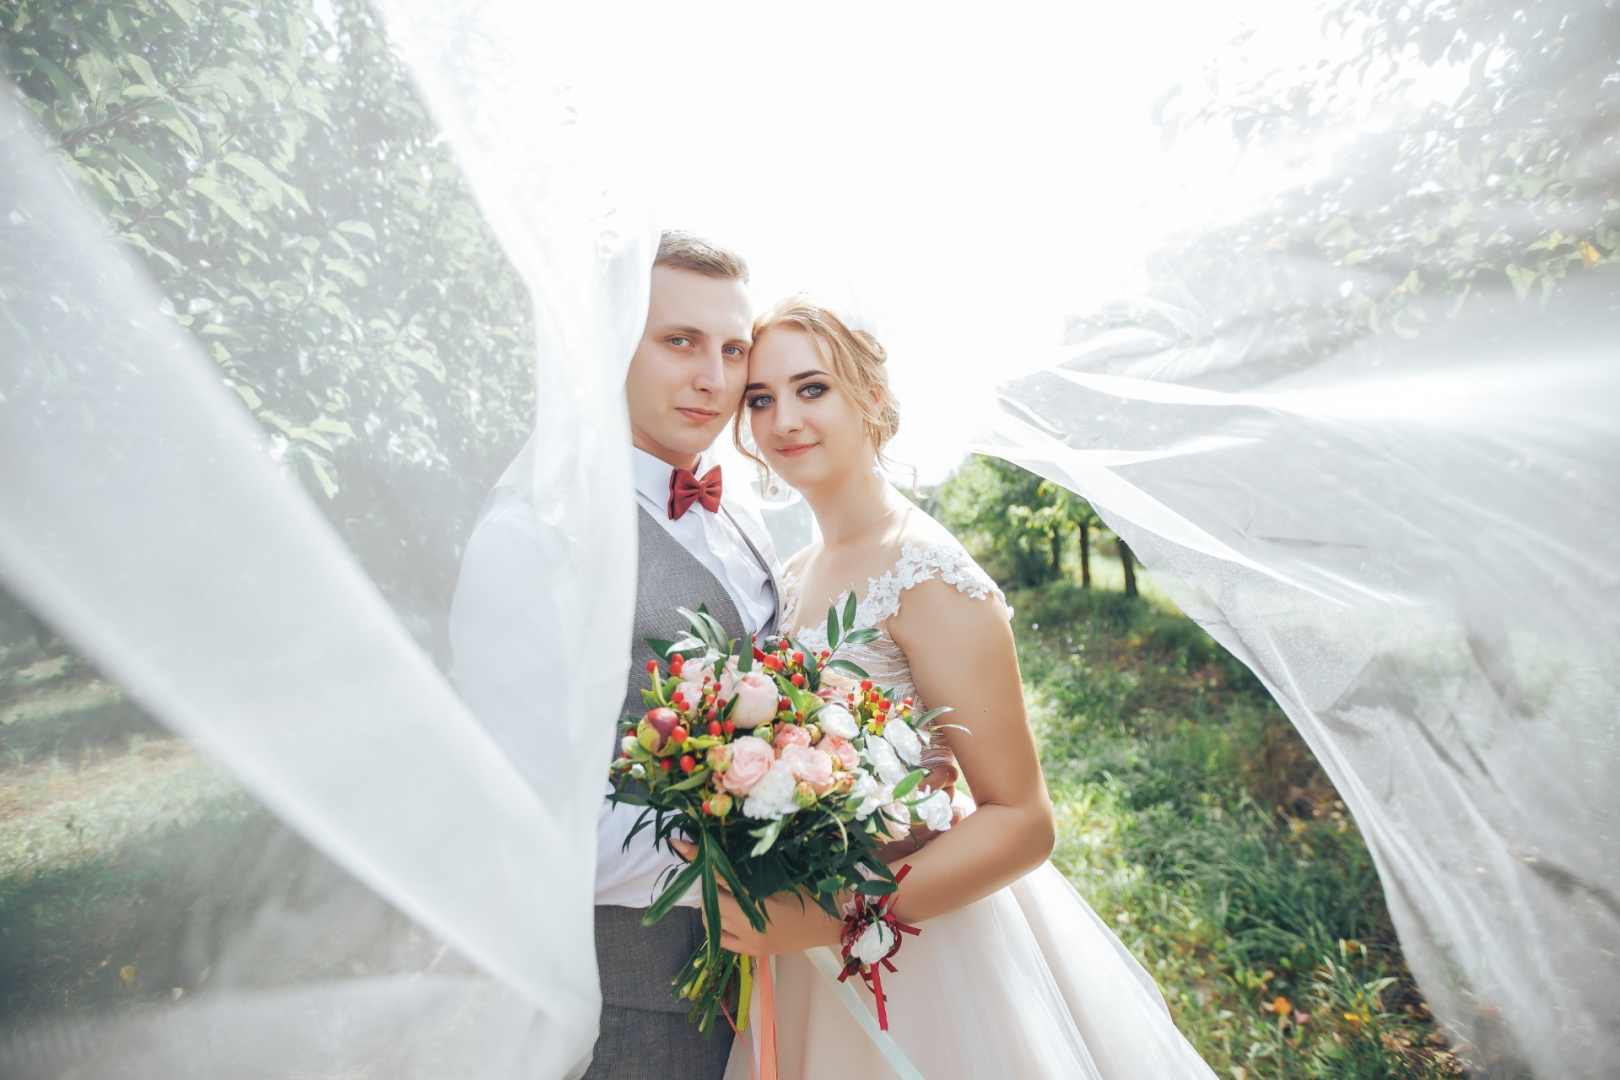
x: 950, y: 562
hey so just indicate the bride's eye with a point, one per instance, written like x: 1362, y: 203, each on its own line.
x: 812, y: 390
x: 759, y: 401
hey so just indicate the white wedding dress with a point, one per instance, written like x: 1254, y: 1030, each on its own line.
x: 1026, y: 984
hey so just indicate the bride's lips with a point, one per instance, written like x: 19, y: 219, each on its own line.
x: 698, y: 416
x: 796, y: 449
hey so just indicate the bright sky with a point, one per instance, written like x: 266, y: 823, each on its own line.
x: 960, y: 178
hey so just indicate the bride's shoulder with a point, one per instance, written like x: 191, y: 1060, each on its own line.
x: 928, y: 552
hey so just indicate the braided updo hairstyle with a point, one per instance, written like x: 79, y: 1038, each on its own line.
x: 854, y: 359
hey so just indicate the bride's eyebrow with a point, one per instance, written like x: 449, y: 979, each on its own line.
x: 806, y: 375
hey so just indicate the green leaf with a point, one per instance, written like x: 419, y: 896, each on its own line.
x: 872, y: 887
x: 767, y: 837
x: 711, y: 898
x: 184, y: 9
x: 675, y: 890
x: 919, y: 721
x: 660, y: 648
x: 259, y: 173
x: 832, y: 626
x: 651, y: 700
x: 909, y: 783
x: 696, y: 779
x: 221, y: 196
x: 248, y: 395
x: 848, y: 668
x: 862, y: 637
x: 849, y: 610
x: 331, y: 427
x: 359, y: 228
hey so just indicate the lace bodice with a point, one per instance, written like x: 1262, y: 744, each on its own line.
x: 882, y: 658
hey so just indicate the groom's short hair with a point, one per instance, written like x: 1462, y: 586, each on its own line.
x: 682, y: 249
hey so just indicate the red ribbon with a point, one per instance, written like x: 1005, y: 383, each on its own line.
x: 686, y: 489
x: 865, y: 913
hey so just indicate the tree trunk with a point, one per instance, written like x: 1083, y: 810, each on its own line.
x: 1130, y: 568
x: 1085, y: 556
x: 1057, y: 554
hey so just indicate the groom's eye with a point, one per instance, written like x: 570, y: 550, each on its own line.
x: 680, y: 342
x: 733, y: 350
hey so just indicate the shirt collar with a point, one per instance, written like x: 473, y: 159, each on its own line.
x: 652, y: 474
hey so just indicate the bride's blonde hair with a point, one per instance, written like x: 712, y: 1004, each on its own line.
x: 854, y: 359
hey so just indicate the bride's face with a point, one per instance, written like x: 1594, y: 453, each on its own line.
x: 805, y: 425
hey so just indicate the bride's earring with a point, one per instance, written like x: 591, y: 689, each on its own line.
x: 876, y: 471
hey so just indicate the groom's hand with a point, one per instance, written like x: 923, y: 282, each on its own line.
x: 791, y: 924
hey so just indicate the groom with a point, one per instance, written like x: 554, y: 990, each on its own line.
x: 696, y: 545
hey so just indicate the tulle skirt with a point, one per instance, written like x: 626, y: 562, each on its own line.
x: 1026, y: 983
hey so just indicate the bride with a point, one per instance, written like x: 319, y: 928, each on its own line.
x: 1013, y: 975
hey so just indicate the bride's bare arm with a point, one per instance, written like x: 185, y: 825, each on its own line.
x: 962, y: 654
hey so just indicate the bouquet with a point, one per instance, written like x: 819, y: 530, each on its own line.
x: 786, y: 770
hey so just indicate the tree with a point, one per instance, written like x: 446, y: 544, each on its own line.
x: 1014, y: 521
x: 1423, y: 215
x: 290, y: 197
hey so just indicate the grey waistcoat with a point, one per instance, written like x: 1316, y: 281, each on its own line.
x: 668, y: 576
x: 637, y: 963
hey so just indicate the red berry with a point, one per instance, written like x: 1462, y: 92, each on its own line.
x: 665, y: 764
x: 652, y: 666
x: 907, y: 701
x: 784, y: 703
x: 798, y: 658
x: 728, y: 727
x: 706, y: 809
x: 679, y: 734
x: 714, y: 727
x: 866, y: 684
x: 688, y: 762
x: 884, y: 704
x: 798, y: 678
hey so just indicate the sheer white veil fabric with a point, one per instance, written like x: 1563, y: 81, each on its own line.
x: 142, y: 515
x: 1414, y: 543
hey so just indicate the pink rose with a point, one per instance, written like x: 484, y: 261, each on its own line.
x: 790, y: 735
x: 842, y: 751
x: 812, y: 766
x: 756, y: 700
x: 751, y: 759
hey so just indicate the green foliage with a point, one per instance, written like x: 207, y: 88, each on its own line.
x: 1195, y: 821
x: 291, y: 198
x: 1490, y: 202
x: 1014, y: 522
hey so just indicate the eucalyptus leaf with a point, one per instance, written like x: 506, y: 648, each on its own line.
x: 832, y: 626
x: 863, y: 636
x: 847, y: 667
x: 872, y: 887
x: 849, y: 610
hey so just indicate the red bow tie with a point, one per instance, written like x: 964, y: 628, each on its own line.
x: 686, y: 489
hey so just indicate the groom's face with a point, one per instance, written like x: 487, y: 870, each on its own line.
x: 686, y: 378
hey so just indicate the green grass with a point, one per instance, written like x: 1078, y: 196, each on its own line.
x: 1194, y: 819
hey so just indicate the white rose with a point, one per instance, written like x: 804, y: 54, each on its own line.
x: 898, y: 734
x: 935, y: 810
x: 835, y: 720
x: 873, y: 944
x: 773, y: 797
x: 884, y: 761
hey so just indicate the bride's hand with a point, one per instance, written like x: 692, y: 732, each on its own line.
x: 791, y: 924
